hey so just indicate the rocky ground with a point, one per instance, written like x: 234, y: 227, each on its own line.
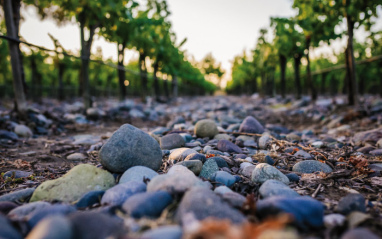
x: 206, y: 167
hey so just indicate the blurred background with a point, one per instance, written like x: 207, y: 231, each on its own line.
x: 164, y: 49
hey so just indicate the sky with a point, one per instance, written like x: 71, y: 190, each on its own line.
x: 223, y: 27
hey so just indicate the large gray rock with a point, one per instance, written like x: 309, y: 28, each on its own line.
x: 206, y: 128
x: 311, y: 166
x: 251, y: 125
x: 203, y: 203
x: 79, y: 180
x: 264, y: 172
x: 128, y: 147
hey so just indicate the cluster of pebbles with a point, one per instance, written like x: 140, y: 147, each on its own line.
x: 167, y: 182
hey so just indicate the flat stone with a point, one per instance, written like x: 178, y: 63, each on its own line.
x: 264, y: 172
x: 234, y: 199
x: 273, y: 187
x: 137, y: 173
x: 210, y: 167
x: 76, y: 157
x: 222, y: 190
x: 118, y: 194
x: 8, y: 135
x: 311, y: 166
x: 251, y: 125
x: 128, y: 147
x: 149, y: 204
x: 79, y: 180
x: 206, y: 128
x: 204, y: 203
x: 228, y: 146
x: 171, y: 141
x: 56, y: 226
x: 17, y: 196
x: 17, y: 174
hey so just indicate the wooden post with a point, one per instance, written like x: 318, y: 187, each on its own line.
x: 18, y: 87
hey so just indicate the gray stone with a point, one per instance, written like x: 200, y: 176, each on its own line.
x: 224, y: 178
x: 79, y: 180
x: 203, y: 203
x: 376, y: 152
x: 236, y: 200
x: 134, y: 113
x: 247, y: 171
x: 118, y: 194
x: 293, y: 137
x: 379, y: 143
x: 56, y: 226
x: 137, y: 173
x: 222, y: 190
x: 193, y: 165
x: 264, y: 141
x: 171, y: 141
x: 17, y: 174
x: 273, y: 187
x: 168, y: 232
x: 17, y: 196
x: 22, y: 212
x: 228, y: 146
x: 222, y: 136
x: 210, y: 167
x: 96, y: 225
x: 7, y: 231
x: 251, y: 125
x: 350, y: 203
x: 264, y: 172
x: 149, y: 204
x: 311, y: 166
x: 181, y: 153
x: 206, y: 128
x: 177, y: 181
x: 23, y: 131
x: 302, y: 153
x: 370, y: 136
x: 76, y: 157
x: 128, y: 147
